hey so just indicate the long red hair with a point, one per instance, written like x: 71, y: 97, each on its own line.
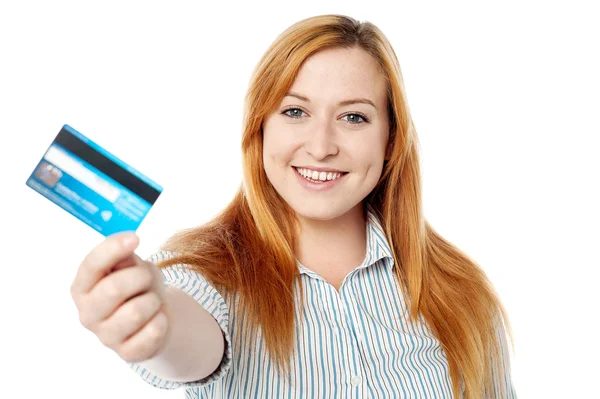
x: 249, y: 248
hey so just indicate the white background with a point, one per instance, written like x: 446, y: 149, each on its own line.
x: 505, y: 99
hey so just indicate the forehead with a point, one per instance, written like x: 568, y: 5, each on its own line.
x: 334, y: 74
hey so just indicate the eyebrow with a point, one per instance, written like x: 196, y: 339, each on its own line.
x: 341, y: 103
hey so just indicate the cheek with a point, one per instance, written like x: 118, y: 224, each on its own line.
x: 277, y: 149
x: 369, y: 163
x: 270, y: 149
x: 275, y: 156
x: 365, y: 154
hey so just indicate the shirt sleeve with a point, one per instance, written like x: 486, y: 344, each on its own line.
x: 210, y: 299
x: 503, y: 385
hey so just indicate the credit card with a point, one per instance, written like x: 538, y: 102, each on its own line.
x: 92, y: 184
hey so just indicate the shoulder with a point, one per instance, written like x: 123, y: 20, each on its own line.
x: 179, y: 273
x: 160, y: 256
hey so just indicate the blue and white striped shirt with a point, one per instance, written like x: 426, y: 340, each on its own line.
x: 355, y: 343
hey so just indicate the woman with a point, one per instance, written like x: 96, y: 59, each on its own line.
x: 322, y: 278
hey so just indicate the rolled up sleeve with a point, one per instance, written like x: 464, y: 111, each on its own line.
x: 195, y: 285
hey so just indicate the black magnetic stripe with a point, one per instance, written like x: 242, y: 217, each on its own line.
x: 81, y: 149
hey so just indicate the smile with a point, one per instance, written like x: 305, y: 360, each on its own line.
x: 318, y: 177
x: 322, y: 181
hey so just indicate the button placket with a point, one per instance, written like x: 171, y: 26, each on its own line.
x: 355, y: 380
x: 359, y: 336
x: 347, y: 304
x: 348, y: 316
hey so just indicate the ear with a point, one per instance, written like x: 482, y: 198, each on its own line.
x: 388, y: 151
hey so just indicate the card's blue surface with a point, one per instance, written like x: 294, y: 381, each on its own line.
x: 92, y: 184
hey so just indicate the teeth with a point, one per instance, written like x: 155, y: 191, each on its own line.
x: 322, y: 176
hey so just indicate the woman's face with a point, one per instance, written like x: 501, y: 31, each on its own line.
x: 333, y: 120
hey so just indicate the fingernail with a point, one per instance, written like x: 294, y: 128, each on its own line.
x: 130, y: 240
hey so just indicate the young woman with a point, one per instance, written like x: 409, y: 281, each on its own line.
x: 322, y: 278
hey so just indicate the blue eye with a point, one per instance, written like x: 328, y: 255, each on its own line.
x: 294, y: 115
x: 354, y: 118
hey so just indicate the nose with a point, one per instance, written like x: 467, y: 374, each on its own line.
x: 322, y: 142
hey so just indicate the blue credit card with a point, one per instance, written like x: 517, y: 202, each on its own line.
x: 92, y: 184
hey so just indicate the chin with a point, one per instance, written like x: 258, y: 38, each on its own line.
x: 319, y: 212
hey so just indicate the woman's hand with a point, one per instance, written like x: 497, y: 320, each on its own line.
x: 120, y: 298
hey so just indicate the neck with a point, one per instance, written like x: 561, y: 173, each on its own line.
x: 338, y: 243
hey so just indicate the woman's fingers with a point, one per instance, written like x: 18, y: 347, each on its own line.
x: 128, y: 319
x: 99, y: 262
x: 147, y: 342
x: 114, y: 290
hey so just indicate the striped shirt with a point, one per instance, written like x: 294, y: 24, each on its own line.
x: 355, y: 343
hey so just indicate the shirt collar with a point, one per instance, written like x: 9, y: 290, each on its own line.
x: 377, y: 245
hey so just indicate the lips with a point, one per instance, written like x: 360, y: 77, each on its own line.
x: 319, y: 169
x: 319, y: 176
x: 319, y: 185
